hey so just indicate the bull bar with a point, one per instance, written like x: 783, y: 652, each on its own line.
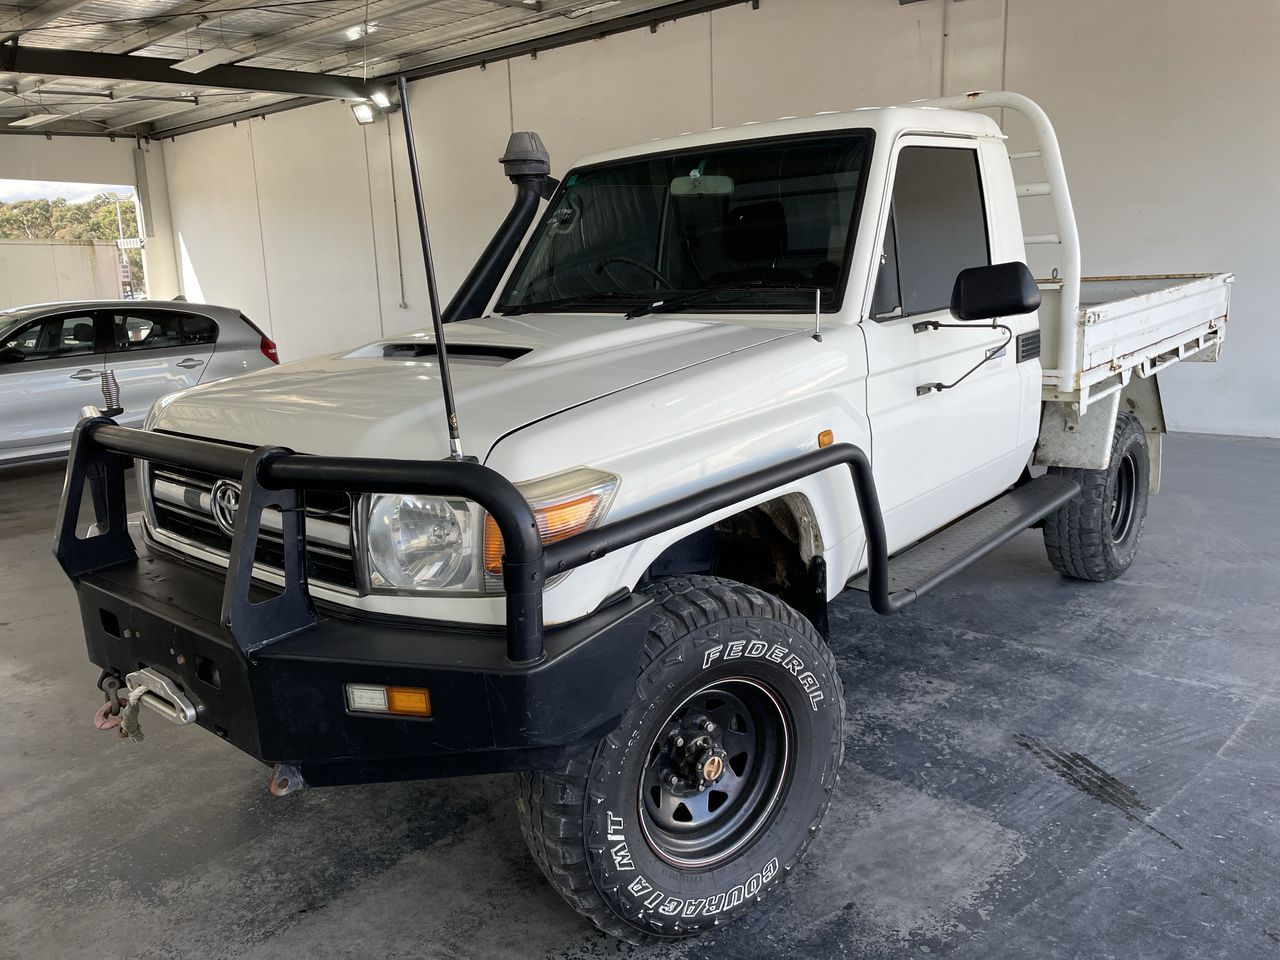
x: 272, y: 476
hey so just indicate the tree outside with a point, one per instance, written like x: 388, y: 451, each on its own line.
x: 58, y: 219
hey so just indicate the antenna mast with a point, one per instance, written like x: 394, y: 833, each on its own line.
x: 433, y: 294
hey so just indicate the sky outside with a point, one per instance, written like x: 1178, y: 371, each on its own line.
x: 11, y: 190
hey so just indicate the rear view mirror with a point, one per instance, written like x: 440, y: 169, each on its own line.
x: 698, y: 185
x: 12, y: 355
x: 1000, y: 290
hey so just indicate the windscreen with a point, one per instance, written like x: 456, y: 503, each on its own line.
x: 757, y: 226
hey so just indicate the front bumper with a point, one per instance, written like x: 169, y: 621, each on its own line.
x: 286, y: 701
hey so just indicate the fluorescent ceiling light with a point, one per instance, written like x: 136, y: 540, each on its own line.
x: 364, y: 113
x: 36, y: 120
x: 207, y: 58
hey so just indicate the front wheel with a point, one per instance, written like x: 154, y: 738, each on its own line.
x: 1094, y: 536
x: 716, y: 780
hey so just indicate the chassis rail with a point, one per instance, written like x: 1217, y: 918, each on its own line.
x: 275, y: 476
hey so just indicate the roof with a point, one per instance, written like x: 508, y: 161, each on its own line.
x: 884, y: 121
x: 85, y: 55
x: 35, y: 309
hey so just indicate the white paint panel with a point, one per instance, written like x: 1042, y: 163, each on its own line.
x: 626, y: 89
x: 799, y: 57
x: 461, y: 122
x: 313, y: 198
x: 213, y: 199
x: 1162, y: 110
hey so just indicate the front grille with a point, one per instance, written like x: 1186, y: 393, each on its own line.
x: 182, y: 505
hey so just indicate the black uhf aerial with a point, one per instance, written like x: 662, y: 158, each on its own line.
x: 528, y: 166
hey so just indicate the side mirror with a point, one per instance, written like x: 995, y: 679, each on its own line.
x: 12, y: 355
x: 1000, y: 290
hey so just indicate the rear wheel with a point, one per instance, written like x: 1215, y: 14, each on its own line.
x: 715, y: 782
x: 1095, y: 535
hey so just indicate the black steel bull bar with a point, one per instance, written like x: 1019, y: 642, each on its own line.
x: 275, y: 476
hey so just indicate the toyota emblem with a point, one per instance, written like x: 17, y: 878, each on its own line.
x: 225, y: 502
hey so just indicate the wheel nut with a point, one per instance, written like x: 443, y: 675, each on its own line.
x: 674, y: 781
x: 679, y: 741
x: 708, y: 726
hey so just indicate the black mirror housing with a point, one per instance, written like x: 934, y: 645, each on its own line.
x: 12, y: 355
x: 999, y: 290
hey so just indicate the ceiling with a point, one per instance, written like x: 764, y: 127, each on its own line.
x: 104, y: 66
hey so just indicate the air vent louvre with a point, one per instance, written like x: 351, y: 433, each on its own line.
x: 492, y: 353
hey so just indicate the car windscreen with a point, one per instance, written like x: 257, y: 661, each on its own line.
x: 758, y: 226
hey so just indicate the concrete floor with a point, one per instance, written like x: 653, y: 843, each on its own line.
x: 1035, y: 768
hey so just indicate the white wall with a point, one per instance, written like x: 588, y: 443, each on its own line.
x: 97, y: 160
x: 1163, y: 111
x: 36, y: 271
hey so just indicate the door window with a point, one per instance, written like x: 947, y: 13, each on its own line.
x: 937, y: 227
x: 53, y: 338
x: 198, y: 330
x: 154, y: 330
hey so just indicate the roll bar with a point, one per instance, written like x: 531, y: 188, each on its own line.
x: 1054, y: 186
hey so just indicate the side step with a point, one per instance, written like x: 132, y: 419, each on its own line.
x: 928, y: 563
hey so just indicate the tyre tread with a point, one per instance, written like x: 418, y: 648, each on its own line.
x: 550, y: 806
x: 1076, y: 535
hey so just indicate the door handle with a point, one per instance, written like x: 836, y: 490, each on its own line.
x: 190, y: 363
x: 85, y: 374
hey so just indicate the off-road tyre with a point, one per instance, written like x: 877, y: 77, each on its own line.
x: 594, y: 825
x: 1094, y: 536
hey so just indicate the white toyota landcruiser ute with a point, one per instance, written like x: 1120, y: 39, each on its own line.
x: 589, y: 535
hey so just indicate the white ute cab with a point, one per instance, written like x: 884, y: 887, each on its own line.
x: 729, y: 374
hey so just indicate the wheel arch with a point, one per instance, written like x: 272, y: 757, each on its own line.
x: 775, y: 545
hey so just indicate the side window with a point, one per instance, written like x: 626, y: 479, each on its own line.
x: 198, y: 330
x: 146, y: 331
x: 53, y: 337
x: 938, y: 228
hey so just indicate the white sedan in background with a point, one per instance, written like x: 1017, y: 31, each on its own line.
x: 53, y: 355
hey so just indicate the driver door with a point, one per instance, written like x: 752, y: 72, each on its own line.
x: 936, y: 455
x: 59, y: 371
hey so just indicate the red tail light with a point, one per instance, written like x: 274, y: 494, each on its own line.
x: 269, y: 351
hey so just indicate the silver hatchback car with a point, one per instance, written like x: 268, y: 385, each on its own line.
x: 53, y: 355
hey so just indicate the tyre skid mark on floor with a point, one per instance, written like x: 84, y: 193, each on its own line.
x: 1089, y: 778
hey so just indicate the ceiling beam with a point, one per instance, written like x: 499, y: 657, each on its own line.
x: 37, y: 16
x: 146, y: 115
x: 113, y: 66
x: 199, y: 119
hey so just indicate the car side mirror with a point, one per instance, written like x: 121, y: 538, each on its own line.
x: 999, y: 290
x: 12, y: 355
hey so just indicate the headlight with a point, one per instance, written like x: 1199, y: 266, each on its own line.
x: 447, y: 544
x: 422, y: 543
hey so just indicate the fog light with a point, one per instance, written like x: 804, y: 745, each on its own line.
x: 400, y: 701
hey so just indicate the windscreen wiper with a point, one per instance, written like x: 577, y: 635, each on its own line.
x: 516, y: 309
x: 679, y: 303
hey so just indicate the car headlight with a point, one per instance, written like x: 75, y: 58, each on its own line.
x: 422, y: 543
x: 427, y: 544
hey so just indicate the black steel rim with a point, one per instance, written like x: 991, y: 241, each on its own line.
x: 737, y: 728
x: 1125, y: 498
